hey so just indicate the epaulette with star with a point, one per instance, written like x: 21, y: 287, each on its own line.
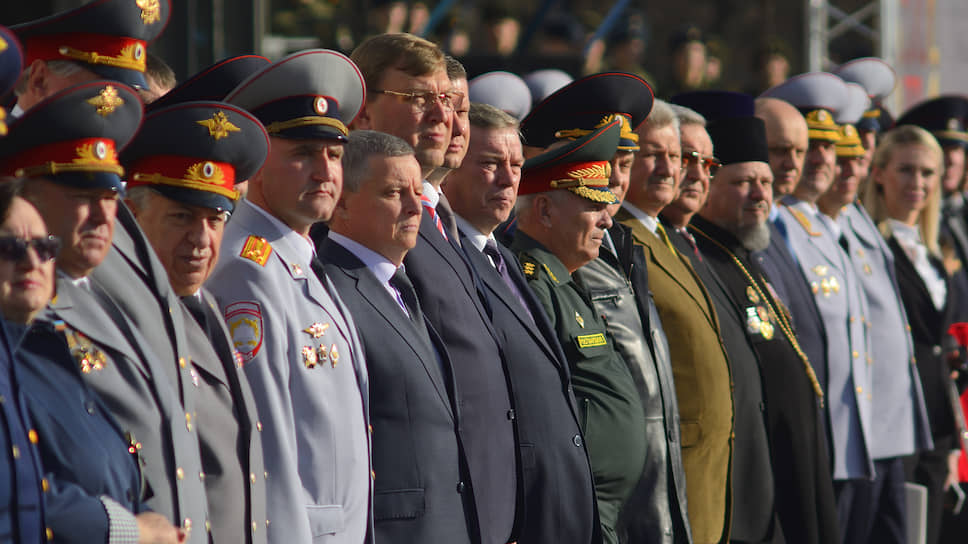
x: 529, y: 267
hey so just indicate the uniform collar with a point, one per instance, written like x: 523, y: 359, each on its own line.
x: 303, y: 247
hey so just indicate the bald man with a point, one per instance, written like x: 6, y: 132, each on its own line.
x: 786, y: 141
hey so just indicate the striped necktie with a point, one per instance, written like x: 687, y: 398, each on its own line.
x: 425, y: 201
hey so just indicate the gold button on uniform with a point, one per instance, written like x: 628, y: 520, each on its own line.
x: 45, y: 485
x: 188, y: 421
x: 181, y: 362
x: 49, y: 533
x: 266, y: 473
x: 16, y: 452
x: 252, y: 477
x: 860, y: 390
x: 856, y: 355
x: 187, y: 524
x: 32, y: 436
x: 254, y: 526
x: 258, y: 426
x: 201, y: 476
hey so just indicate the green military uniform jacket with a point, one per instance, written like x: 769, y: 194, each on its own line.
x: 609, y: 408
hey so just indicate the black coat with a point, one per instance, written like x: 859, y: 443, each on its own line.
x: 929, y: 327
x: 805, y: 500
x: 558, y: 498
x: 752, y: 472
x: 417, y: 454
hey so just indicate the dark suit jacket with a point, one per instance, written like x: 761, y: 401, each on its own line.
x: 929, y: 331
x: 452, y: 303
x: 417, y: 453
x: 558, y: 496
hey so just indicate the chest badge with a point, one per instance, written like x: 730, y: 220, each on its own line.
x: 87, y: 355
x: 580, y: 320
x: 752, y: 294
x: 309, y: 357
x: 333, y: 355
x: 316, y: 330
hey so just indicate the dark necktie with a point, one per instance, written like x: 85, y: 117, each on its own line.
x: 197, y: 309
x: 843, y: 243
x: 448, y: 220
x: 492, y: 253
x: 402, y: 284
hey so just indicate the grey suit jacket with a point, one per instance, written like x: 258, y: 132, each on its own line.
x: 228, y: 430
x: 417, y: 452
x: 900, y: 422
x: 843, y: 306
x: 306, y: 368
x: 146, y: 406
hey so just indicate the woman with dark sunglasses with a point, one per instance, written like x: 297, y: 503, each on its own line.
x: 93, y: 489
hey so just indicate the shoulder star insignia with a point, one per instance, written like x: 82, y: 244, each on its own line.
x: 256, y: 249
x: 316, y: 330
x: 219, y: 126
x: 529, y: 268
x: 106, y: 101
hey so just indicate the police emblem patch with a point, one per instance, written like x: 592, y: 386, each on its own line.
x: 244, y: 320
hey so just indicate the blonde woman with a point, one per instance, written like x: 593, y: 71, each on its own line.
x: 903, y: 196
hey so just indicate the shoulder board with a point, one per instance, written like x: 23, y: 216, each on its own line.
x: 550, y: 273
x: 256, y: 249
x: 528, y: 265
x: 804, y: 222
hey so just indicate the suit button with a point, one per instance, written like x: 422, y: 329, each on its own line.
x: 576, y: 440
x: 89, y: 407
x: 671, y: 435
x: 130, y: 495
x: 936, y: 350
x: 460, y: 487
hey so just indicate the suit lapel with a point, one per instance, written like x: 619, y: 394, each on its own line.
x: 377, y: 296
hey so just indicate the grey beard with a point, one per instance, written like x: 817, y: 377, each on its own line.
x: 755, y: 238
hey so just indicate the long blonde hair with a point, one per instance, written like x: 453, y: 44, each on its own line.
x: 873, y: 199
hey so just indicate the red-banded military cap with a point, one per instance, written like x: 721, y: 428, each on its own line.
x: 212, y: 84
x: 312, y: 94
x: 195, y: 152
x: 581, y: 166
x: 819, y: 96
x: 74, y: 136
x: 858, y: 102
x: 109, y: 37
x: 944, y: 117
x: 589, y: 103
x: 11, y: 64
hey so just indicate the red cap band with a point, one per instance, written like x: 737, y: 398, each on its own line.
x: 116, y: 51
x: 185, y: 172
x: 87, y: 155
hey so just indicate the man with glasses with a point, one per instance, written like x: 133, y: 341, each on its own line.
x: 410, y: 96
x: 752, y: 474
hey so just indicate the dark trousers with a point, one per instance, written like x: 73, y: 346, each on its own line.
x: 873, y: 511
x: 930, y: 469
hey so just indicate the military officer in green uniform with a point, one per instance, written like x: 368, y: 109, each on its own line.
x: 562, y: 219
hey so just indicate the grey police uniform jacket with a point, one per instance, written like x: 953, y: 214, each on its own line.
x: 843, y: 307
x: 305, y: 365
x: 130, y: 379
x: 229, y: 432
x: 900, y: 421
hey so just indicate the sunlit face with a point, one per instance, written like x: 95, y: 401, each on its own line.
x: 300, y: 181
x: 186, y: 238
x: 578, y: 227
x: 82, y: 218
x: 384, y: 215
x: 954, y: 168
x: 908, y: 180
x: 654, y: 180
x: 851, y: 171
x: 818, y: 170
x: 618, y: 182
x: 787, y: 143
x: 428, y: 132
x: 26, y: 284
x: 694, y: 183
x: 484, y: 188
x: 740, y: 196
x: 460, y: 127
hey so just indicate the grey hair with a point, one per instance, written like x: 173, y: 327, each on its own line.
x: 140, y: 196
x: 360, y: 146
x: 688, y: 116
x: 662, y: 116
x: 455, y: 70
x: 61, y: 68
x: 488, y: 117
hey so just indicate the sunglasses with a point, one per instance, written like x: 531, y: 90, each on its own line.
x: 14, y: 249
x: 709, y: 164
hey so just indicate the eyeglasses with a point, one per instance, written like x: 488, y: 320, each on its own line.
x: 709, y: 164
x: 14, y: 249
x: 422, y: 101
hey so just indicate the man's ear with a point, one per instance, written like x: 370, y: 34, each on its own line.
x: 543, y: 207
x: 363, y: 121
